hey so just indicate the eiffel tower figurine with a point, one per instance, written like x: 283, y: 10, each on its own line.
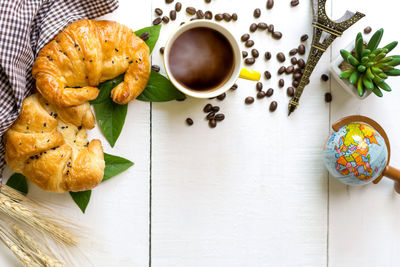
x: 332, y: 29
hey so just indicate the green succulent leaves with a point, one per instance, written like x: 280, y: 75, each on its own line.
x: 370, y: 65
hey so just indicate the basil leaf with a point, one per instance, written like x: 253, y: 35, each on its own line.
x: 114, y: 165
x: 154, y: 33
x: 159, y: 89
x: 81, y: 199
x: 18, y: 182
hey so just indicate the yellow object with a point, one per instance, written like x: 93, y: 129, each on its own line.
x: 249, y: 74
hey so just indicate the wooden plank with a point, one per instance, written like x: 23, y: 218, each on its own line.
x: 363, y: 220
x: 118, y: 212
x: 253, y: 191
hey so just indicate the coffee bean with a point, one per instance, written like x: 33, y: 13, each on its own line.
x: 169, y: 1
x: 270, y: 4
x: 215, y: 109
x: 250, y: 61
x: 301, y: 49
x: 234, y: 87
x: 210, y: 115
x: 162, y: 50
x: 254, y: 53
x: 189, y: 121
x: 281, y: 70
x: 280, y: 57
x: 271, y: 28
x: 294, y: 2
x: 259, y: 86
x: 157, y: 21
x: 301, y: 63
x: 290, y: 91
x: 295, y: 83
x: 244, y: 54
x: 144, y: 36
x: 249, y: 100
x: 212, y: 123
x: 191, y: 10
x: 273, y: 106
x: 260, y: 94
x: 262, y: 26
x: 219, y: 117
x: 200, y: 14
x: 270, y: 92
x: 281, y: 83
x: 245, y: 37
x: 221, y: 97
x: 156, y: 68
x: 178, y: 6
x: 181, y: 23
x: 257, y: 13
x: 158, y: 11
x: 289, y: 70
x: 267, y: 55
x: 218, y: 17
x: 227, y: 17
x: 304, y: 37
x: 328, y: 97
x: 234, y: 17
x: 293, y: 60
x: 267, y: 75
x: 207, y: 108
x: 253, y: 27
x: 277, y: 35
x: 207, y: 1
x: 249, y: 43
x: 297, y: 70
x: 367, y: 30
x: 172, y: 14
x: 165, y: 19
x: 297, y: 76
x: 293, y: 52
x: 208, y: 15
x: 324, y: 77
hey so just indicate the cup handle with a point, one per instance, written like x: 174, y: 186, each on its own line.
x: 249, y: 74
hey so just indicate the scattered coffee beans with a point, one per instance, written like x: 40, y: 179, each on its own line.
x: 277, y: 35
x: 267, y: 75
x: 295, y: 83
x: 259, y: 86
x: 293, y: 60
x: 157, y: 21
x: 260, y: 94
x: 215, y: 109
x: 281, y: 70
x: 250, y: 61
x: 257, y: 13
x: 262, y: 26
x: 245, y: 37
x: 301, y: 49
x: 290, y: 91
x: 158, y: 11
x: 234, y: 87
x: 304, y: 38
x: 207, y: 1
x: 367, y: 30
x: 270, y: 92
x: 273, y: 106
x: 253, y: 27
x: 234, y: 17
x: 249, y: 100
x: 219, y: 117
x: 270, y: 4
x: 218, y: 17
x: 294, y: 2
x: 169, y: 1
x: 199, y: 14
x: 267, y: 55
x: 191, y: 10
x: 172, y: 14
x: 208, y: 15
x: 297, y: 76
x: 227, y: 17
x: 281, y: 57
x: 156, y: 68
x: 244, y: 54
x: 165, y: 19
x: 144, y: 36
x: 162, y: 50
x: 249, y: 43
x: 328, y: 97
x: 289, y: 70
x: 281, y: 83
x: 271, y: 28
x: 210, y: 115
x: 178, y: 6
x: 254, y: 53
x: 221, y: 97
x: 301, y: 63
x: 207, y: 108
x: 212, y: 123
x: 189, y: 121
x: 324, y: 77
x: 293, y: 52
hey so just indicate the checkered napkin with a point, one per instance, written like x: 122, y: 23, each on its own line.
x: 25, y: 27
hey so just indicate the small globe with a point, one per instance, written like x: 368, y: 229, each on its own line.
x: 356, y: 154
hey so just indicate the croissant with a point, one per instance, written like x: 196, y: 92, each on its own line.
x: 49, y: 146
x: 70, y: 67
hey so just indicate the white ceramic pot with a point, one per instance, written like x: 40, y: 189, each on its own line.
x: 345, y: 83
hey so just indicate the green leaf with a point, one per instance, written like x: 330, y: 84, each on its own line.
x: 360, y: 87
x: 377, y: 91
x: 81, y: 199
x: 393, y: 72
x: 384, y: 86
x: 353, y: 61
x: 361, y: 68
x: 365, y: 52
x: 375, y: 40
x: 154, y: 33
x: 105, y: 89
x: 394, y: 62
x: 160, y: 89
x: 359, y: 45
x: 354, y: 77
x: 114, y: 165
x: 391, y: 46
x: 346, y: 74
x: 345, y: 54
x: 18, y: 182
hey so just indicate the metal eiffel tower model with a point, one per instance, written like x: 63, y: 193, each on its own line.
x: 333, y: 29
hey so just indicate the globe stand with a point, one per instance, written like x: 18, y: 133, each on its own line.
x: 389, y: 171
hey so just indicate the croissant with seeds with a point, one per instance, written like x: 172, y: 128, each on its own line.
x: 70, y: 67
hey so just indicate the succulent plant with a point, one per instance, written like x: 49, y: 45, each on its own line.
x: 369, y: 66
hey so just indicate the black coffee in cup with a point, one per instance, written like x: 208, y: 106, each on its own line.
x: 201, y: 59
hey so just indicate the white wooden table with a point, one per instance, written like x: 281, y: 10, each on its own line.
x: 253, y: 191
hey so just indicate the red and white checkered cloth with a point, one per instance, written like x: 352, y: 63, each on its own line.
x: 25, y: 27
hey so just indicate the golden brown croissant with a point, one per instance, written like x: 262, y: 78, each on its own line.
x: 86, y: 53
x: 51, y: 150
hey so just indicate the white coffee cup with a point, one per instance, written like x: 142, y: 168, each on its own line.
x: 238, y: 71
